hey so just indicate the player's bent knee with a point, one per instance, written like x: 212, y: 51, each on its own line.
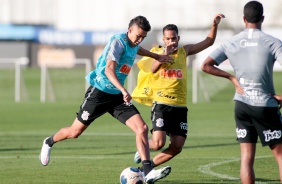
x: 178, y: 151
x: 143, y: 129
x: 175, y: 150
x: 157, y: 145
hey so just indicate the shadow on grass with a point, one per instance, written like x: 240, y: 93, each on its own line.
x: 17, y: 149
x: 267, y: 180
x: 90, y: 148
x: 210, y: 145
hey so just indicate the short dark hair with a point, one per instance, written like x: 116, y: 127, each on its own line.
x: 141, y: 22
x: 171, y: 27
x: 253, y: 12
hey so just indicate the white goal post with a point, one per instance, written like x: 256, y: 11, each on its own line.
x: 46, y: 81
x: 205, y: 86
x: 18, y: 64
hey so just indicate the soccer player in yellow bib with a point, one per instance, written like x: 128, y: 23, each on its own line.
x: 164, y: 87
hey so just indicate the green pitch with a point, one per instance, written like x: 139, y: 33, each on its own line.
x: 210, y: 155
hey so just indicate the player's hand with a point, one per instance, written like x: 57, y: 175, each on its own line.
x: 279, y: 99
x: 126, y: 97
x: 164, y: 59
x: 171, y: 48
x: 217, y: 18
x: 239, y: 89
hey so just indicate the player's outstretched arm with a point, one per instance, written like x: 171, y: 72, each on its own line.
x: 198, y: 47
x: 158, y: 57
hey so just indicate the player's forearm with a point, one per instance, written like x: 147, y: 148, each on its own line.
x: 209, y: 67
x: 161, y: 58
x: 212, y: 35
x: 144, y: 52
x: 213, y: 31
x: 156, y: 66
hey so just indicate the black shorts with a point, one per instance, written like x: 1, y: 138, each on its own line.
x: 171, y: 119
x: 253, y: 122
x: 97, y: 103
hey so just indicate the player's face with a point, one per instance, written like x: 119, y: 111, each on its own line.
x: 170, y: 37
x: 136, y: 35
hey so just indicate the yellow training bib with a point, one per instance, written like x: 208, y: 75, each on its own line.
x: 168, y: 85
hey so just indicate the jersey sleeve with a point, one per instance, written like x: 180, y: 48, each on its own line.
x: 277, y: 49
x: 115, y: 50
x: 219, y: 55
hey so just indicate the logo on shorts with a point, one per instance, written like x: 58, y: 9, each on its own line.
x: 183, y: 126
x: 85, y: 115
x: 160, y: 122
x: 241, y: 133
x: 276, y: 134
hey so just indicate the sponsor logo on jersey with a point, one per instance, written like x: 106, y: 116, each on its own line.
x: 244, y: 43
x: 98, y: 78
x: 110, y: 86
x: 241, y: 133
x: 125, y: 69
x: 161, y: 94
x: 171, y: 73
x: 275, y: 134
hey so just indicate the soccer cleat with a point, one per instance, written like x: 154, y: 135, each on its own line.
x: 137, y: 158
x: 45, y: 153
x: 155, y: 175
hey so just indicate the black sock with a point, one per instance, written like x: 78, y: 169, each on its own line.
x: 147, y: 166
x: 50, y: 141
x: 152, y: 164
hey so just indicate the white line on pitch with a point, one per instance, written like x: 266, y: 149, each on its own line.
x: 206, y: 169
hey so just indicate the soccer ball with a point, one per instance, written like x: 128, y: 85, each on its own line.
x: 131, y: 175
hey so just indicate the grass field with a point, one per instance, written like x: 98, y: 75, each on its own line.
x: 210, y: 155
